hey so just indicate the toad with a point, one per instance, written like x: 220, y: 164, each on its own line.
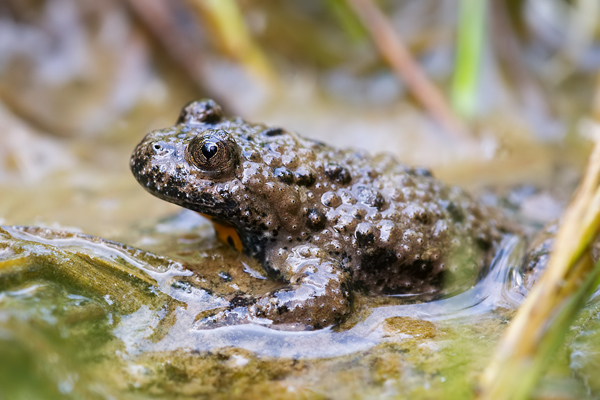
x: 325, y: 221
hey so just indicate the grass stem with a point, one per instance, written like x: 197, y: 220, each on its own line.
x: 232, y: 34
x: 541, y: 323
x: 395, y: 52
x: 469, y: 46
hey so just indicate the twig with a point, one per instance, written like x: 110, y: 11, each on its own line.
x: 596, y: 101
x: 530, y: 93
x: 397, y: 55
x: 158, y: 18
x: 542, y: 321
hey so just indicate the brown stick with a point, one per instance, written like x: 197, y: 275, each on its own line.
x: 157, y: 18
x: 397, y: 55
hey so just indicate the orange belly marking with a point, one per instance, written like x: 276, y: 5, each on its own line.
x: 226, y: 232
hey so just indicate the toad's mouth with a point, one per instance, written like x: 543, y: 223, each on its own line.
x: 177, y: 191
x: 205, y: 203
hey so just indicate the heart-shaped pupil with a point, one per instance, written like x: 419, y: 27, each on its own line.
x: 209, y: 150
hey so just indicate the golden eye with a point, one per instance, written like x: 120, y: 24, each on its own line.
x: 213, y: 152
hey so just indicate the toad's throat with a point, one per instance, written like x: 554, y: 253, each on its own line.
x: 226, y: 232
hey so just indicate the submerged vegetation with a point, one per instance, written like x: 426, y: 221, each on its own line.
x: 501, y: 97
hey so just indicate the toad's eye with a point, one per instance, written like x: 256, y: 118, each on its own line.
x: 209, y: 150
x: 213, y: 152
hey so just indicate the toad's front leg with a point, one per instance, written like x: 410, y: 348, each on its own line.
x: 318, y: 294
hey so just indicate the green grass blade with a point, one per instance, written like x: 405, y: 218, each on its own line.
x: 469, y: 46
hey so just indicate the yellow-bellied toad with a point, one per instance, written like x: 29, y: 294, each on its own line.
x: 324, y: 220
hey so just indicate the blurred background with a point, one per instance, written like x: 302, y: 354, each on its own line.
x: 501, y: 97
x: 497, y: 96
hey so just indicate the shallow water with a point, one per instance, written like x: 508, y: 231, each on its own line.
x: 92, y: 299
x: 169, y: 277
x: 493, y: 291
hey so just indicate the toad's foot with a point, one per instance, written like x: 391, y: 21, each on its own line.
x: 318, y: 296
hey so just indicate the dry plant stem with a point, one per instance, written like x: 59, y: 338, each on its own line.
x: 596, y: 102
x: 157, y: 18
x: 526, y: 85
x: 397, y: 55
x: 569, y: 279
